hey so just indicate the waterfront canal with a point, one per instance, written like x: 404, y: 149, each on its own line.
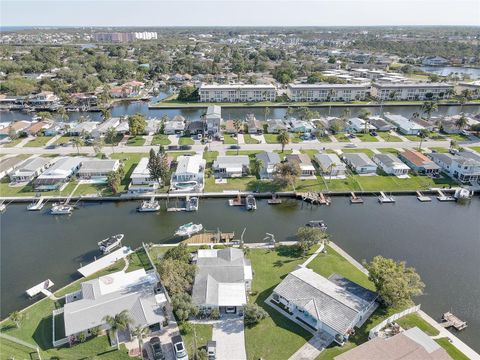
x: 442, y: 240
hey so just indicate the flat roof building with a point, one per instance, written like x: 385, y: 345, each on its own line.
x: 236, y: 93
x: 328, y: 92
x: 411, y: 91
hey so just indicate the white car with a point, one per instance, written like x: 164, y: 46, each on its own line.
x: 179, y: 348
x: 351, y: 145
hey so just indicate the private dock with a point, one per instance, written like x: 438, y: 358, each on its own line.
x: 354, y: 199
x: 36, y: 206
x: 275, y: 200
x: 315, y: 198
x: 41, y: 288
x: 105, y: 261
x: 209, y: 237
x: 384, y: 199
x: 442, y: 197
x: 176, y: 209
x: 236, y: 202
x: 450, y: 320
x: 423, y: 198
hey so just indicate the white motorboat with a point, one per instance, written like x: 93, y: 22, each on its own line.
x: 108, y: 244
x: 462, y: 193
x: 192, y: 204
x: 61, y: 209
x: 149, y: 206
x: 36, y: 205
x: 189, y: 229
x: 250, y: 202
x: 318, y: 224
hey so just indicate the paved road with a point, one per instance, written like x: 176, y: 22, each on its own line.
x: 230, y: 337
x: 218, y: 146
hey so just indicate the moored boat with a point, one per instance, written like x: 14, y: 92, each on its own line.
x: 319, y: 224
x: 250, y: 202
x: 192, y: 204
x: 108, y: 244
x: 149, y: 206
x: 189, y: 229
x: 61, y: 209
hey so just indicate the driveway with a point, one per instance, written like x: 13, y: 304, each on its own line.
x: 229, y: 333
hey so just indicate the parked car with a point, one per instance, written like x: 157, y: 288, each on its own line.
x: 212, y: 350
x: 352, y: 136
x: 179, y: 348
x: 156, y: 347
x: 351, y: 146
x: 235, y: 147
x: 373, y: 133
x: 173, y: 147
x: 185, y: 147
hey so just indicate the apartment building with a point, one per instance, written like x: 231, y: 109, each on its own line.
x: 237, y: 93
x: 414, y: 91
x: 328, y: 92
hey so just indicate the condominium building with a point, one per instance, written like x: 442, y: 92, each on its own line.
x: 328, y: 92
x: 237, y: 93
x: 416, y: 91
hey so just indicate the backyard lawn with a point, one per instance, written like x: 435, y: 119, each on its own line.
x: 411, y: 320
x: 27, y: 190
x: 186, y: 140
x: 250, y: 140
x: 451, y: 349
x: 38, y: 141
x: 161, y: 139
x: 135, y: 141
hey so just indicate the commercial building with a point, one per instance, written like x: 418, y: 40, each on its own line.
x: 237, y: 93
x: 413, y: 91
x: 328, y: 92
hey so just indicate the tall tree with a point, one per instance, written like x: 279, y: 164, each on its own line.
x: 62, y: 113
x: 114, y: 180
x: 308, y: 237
x: 461, y: 122
x: 78, y: 142
x: 287, y: 173
x: 136, y: 124
x: 423, y: 134
x: 140, y: 333
x: 284, y: 139
x: 154, y: 166
x: 111, y: 138
x: 428, y: 107
x: 395, y: 283
x: 119, y: 322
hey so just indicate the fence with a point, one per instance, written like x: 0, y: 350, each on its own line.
x: 374, y: 331
x: 21, y: 342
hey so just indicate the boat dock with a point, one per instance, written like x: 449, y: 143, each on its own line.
x: 209, y: 237
x: 35, y: 206
x: 176, y: 209
x: 3, y: 206
x: 41, y: 288
x: 236, y: 202
x: 315, y: 198
x: 275, y: 200
x: 442, y: 197
x: 105, y: 261
x: 354, y: 199
x: 384, y: 199
x: 423, y: 198
x: 450, y: 320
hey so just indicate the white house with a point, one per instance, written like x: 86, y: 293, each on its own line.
x: 189, y: 175
x: 358, y: 125
x: 213, y: 118
x: 97, y: 170
x: 29, y: 169
x: 404, y: 125
x: 102, y: 129
x: 301, y: 126
x: 269, y: 162
x: 330, y: 165
x: 360, y: 163
x: 82, y: 128
x: 140, y: 180
x: 335, y: 305
x: 173, y: 127
x: 57, y: 175
x: 274, y: 126
x: 464, y: 166
x: 231, y: 166
x: 254, y: 126
x: 307, y: 170
x: 391, y: 164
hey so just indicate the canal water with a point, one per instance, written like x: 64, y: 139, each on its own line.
x: 473, y: 73
x: 441, y: 240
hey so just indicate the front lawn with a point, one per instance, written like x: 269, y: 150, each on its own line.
x: 451, y: 349
x: 64, y: 139
x: 366, y: 137
x: 13, y: 143
x: 229, y: 139
x: 389, y: 137
x: 161, y: 139
x: 342, y: 137
x: 414, y: 138
x: 475, y: 148
x: 389, y: 151
x: 250, y: 140
x: 210, y: 156
x: 411, y: 320
x: 324, y: 139
x: 200, y: 335
x: 271, y: 138
x: 457, y: 137
x: 368, y: 152
x: 275, y: 337
x: 186, y: 140
x: 135, y: 141
x: 38, y: 141
x: 440, y: 149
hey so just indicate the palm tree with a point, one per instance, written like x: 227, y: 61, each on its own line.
x: 17, y: 318
x: 78, y: 142
x: 461, y: 122
x: 453, y: 144
x: 428, y: 107
x: 98, y: 145
x: 331, y: 167
x: 62, y: 113
x: 256, y: 166
x: 140, y: 333
x: 423, y: 134
x: 121, y: 321
x: 106, y: 113
x: 267, y: 112
x: 283, y: 138
x: 237, y: 124
x: 111, y: 138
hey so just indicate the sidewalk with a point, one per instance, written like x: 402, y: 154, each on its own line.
x: 313, y: 347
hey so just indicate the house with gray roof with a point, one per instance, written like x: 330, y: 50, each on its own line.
x: 335, y: 306
x: 231, y: 166
x: 275, y: 126
x: 136, y: 292
x: 213, y: 118
x: 464, y: 166
x: 58, y: 175
x: 97, y: 170
x: 269, y: 162
x: 360, y: 163
x: 380, y: 123
x: 391, y: 164
x: 29, y: 169
x: 330, y: 165
x: 222, y: 280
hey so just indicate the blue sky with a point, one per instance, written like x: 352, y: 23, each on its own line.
x: 236, y: 12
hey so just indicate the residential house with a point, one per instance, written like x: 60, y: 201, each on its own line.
x: 463, y: 166
x: 103, y: 127
x: 213, y: 118
x: 404, y: 125
x: 57, y: 175
x: 189, y: 175
x: 44, y: 99
x: 36, y: 128
x: 269, y: 162
x: 97, y: 170
x: 29, y: 169
x: 254, y: 126
x: 136, y: 292
x: 330, y: 165
x: 334, y: 306
x: 307, y: 170
x: 15, y: 127
x: 380, y: 123
x: 275, y: 126
x: 140, y: 180
x: 231, y: 166
x: 301, y: 126
x: 360, y: 163
x: 222, y: 280
x: 435, y: 61
x: 359, y: 125
x: 83, y: 128
x: 173, y: 127
x: 412, y: 344
x: 427, y: 124
x: 419, y: 163
x: 328, y: 92
x: 391, y: 164
x: 195, y: 127
x: 230, y: 127
x: 153, y: 126
x: 237, y: 93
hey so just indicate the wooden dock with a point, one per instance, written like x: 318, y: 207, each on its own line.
x: 209, y: 237
x: 315, y: 198
x: 354, y: 199
x: 450, y: 320
x: 442, y: 197
x: 423, y: 198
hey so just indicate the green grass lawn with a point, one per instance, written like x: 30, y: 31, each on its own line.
x: 186, y: 140
x: 249, y: 153
x: 451, y: 349
x: 250, y: 140
x: 457, y: 137
x: 392, y: 183
x: 13, y: 143
x: 366, y: 137
x: 389, y: 138
x: 271, y: 138
x: 135, y: 141
x: 439, y: 149
x: 161, y: 139
x: 202, y: 334
x: 210, y: 156
x: 64, y: 139
x: 341, y: 137
x: 389, y: 151
x: 369, y: 152
x: 324, y: 139
x: 413, y: 137
x: 475, y: 148
x: 411, y: 320
x: 275, y: 337
x: 38, y: 141
x: 229, y: 139
x: 129, y: 161
x: 27, y: 190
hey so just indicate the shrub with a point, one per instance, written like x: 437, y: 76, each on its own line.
x: 215, y: 314
x: 82, y: 337
x: 186, y: 328
x: 95, y: 331
x: 253, y: 314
